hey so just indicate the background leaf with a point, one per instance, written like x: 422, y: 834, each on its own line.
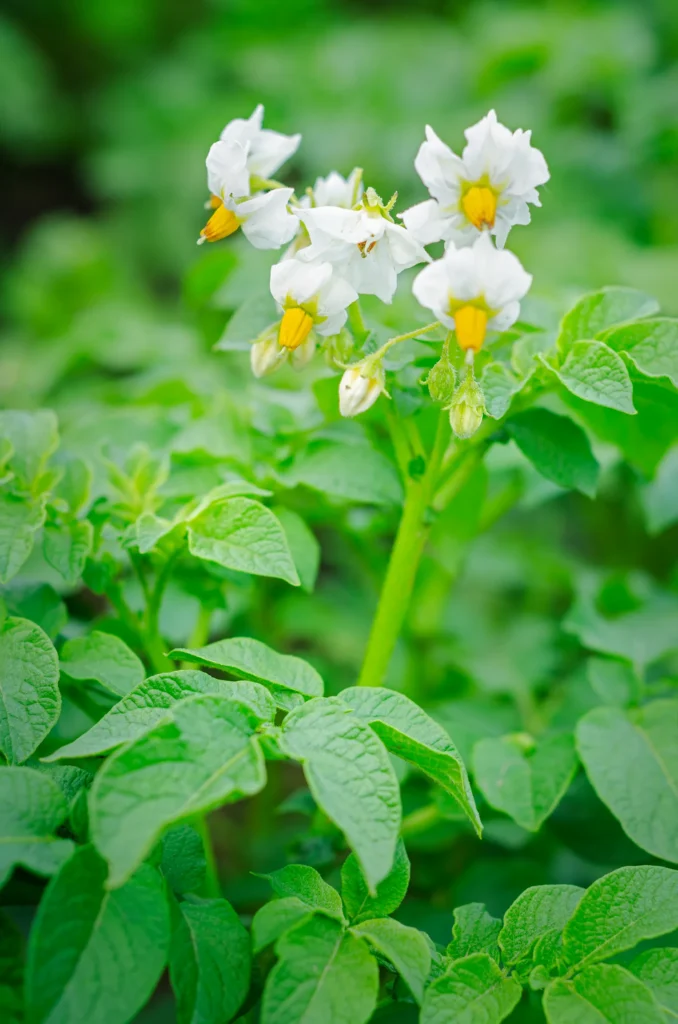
x: 30, y: 700
x: 602, y: 309
x: 406, y: 948
x: 32, y: 807
x: 557, y: 448
x: 536, y: 911
x: 104, y: 658
x: 595, y: 373
x: 472, y: 991
x: 601, y: 992
x: 360, y: 906
x: 474, y: 931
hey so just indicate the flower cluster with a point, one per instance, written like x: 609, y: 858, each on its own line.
x: 342, y: 242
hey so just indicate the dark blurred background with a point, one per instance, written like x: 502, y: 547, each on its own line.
x: 107, y: 110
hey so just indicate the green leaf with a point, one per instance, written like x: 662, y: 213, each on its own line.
x: 652, y: 345
x: 67, y: 547
x: 95, y: 956
x: 391, y: 892
x: 303, y: 545
x: 472, y: 991
x: 614, y: 681
x: 602, y: 994
x: 308, y: 886
x: 31, y: 809
x: 41, y: 604
x: 34, y: 436
x: 210, y: 962
x: 103, y: 658
x: 324, y: 976
x: 499, y: 386
x: 75, y: 485
x: 659, y: 497
x: 148, y: 703
x: 350, y: 776
x: 474, y: 931
x: 352, y: 472
x: 557, y: 448
x: 30, y: 701
x: 11, y: 972
x: 275, y: 918
x: 595, y: 312
x: 19, y: 520
x: 595, y: 373
x: 242, y: 534
x: 250, y: 659
x: 631, y: 758
x: 202, y: 755
x: 537, y: 911
x: 525, y: 779
x: 619, y: 911
x: 411, y: 734
x: 658, y: 969
x: 641, y: 636
x: 183, y: 860
x: 406, y: 948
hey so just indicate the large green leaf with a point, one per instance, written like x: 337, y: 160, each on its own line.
x: 324, y: 975
x: 32, y: 807
x: 651, y: 344
x: 303, y: 545
x: 351, y: 778
x: 209, y: 962
x: 30, y: 701
x: 353, y: 472
x: 536, y: 911
x: 474, y: 931
x: 19, y: 519
x: 596, y: 373
x: 250, y: 659
x: 391, y: 892
x: 203, y: 754
x: 67, y: 547
x: 102, y: 657
x: 472, y: 991
x: 631, y: 758
x: 406, y: 948
x: 523, y: 778
x: 411, y: 734
x: 557, y: 448
x: 148, y: 702
x: 183, y: 861
x: 240, y: 533
x: 95, y: 955
x: 308, y: 886
x: 619, y: 911
x: 658, y: 969
x: 275, y: 918
x: 602, y: 994
x: 597, y: 311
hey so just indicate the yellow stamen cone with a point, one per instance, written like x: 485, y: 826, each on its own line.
x: 221, y: 224
x: 480, y: 206
x: 470, y: 323
x: 295, y: 327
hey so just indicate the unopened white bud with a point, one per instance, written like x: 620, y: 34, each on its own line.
x: 359, y: 388
x: 266, y: 355
x: 467, y: 409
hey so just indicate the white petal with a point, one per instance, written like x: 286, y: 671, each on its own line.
x: 269, y: 150
x: 227, y: 173
x: 406, y: 251
x: 242, y: 129
x: 336, y: 294
x: 425, y: 222
x: 300, y: 281
x: 431, y: 290
x: 505, y: 318
x: 335, y: 190
x: 266, y: 222
x: 333, y: 324
x: 376, y: 274
x: 331, y: 222
x: 439, y: 168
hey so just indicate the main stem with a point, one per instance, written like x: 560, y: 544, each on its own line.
x: 407, y: 550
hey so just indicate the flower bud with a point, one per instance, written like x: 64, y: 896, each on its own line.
x: 467, y: 409
x: 266, y: 355
x: 360, y: 387
x: 441, y: 380
x: 339, y: 347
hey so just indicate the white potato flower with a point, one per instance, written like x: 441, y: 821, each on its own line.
x: 335, y: 190
x: 488, y: 187
x: 312, y: 296
x: 473, y: 290
x: 264, y: 218
x: 367, y: 248
x: 266, y: 150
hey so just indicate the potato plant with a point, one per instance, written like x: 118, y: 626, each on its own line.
x: 208, y: 787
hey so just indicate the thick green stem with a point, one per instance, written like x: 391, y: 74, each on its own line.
x: 402, y: 568
x: 212, y: 887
